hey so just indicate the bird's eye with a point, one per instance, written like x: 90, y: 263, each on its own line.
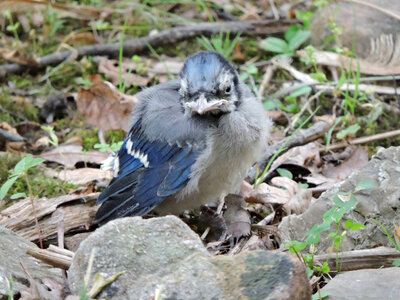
x: 228, y: 90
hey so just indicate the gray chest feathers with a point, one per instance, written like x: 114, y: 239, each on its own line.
x: 221, y: 168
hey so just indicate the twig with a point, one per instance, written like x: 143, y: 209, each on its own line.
x: 274, y: 10
x: 61, y: 251
x: 266, y: 79
x: 301, y: 138
x: 363, y: 140
x: 34, y: 210
x: 54, y: 259
x: 362, y: 259
x: 165, y: 37
x: 303, y: 109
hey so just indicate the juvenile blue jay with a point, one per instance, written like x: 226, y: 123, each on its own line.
x: 191, y: 141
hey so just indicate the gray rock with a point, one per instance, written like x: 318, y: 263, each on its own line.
x: 12, y: 251
x: 365, y: 284
x: 376, y: 32
x: 163, y: 253
x: 381, y: 203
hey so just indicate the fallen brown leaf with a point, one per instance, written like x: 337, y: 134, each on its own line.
x: 82, y: 176
x: 354, y: 162
x: 110, y: 68
x: 16, y: 57
x: 70, y: 154
x: 105, y: 107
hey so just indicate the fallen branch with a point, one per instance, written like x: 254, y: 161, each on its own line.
x: 363, y: 140
x: 162, y: 38
x: 361, y: 259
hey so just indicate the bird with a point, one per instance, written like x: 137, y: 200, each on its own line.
x: 192, y: 140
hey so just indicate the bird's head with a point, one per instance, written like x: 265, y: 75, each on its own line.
x: 209, y: 85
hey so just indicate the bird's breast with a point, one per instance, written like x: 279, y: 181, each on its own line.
x: 219, y: 170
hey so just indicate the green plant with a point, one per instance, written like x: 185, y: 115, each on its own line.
x: 248, y: 71
x: 219, y: 44
x: 343, y: 203
x: 121, y: 55
x: 396, y: 263
x: 259, y: 178
x: 53, y: 21
x: 52, y: 134
x: 349, y: 130
x: 107, y: 147
x: 21, y: 169
x: 10, y: 289
x: 12, y: 27
x: 293, y: 39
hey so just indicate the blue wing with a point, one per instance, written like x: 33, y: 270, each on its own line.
x: 149, y: 171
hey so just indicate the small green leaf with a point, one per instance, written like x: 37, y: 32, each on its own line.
x: 318, y: 76
x: 285, y: 173
x: 353, y: 225
x: 275, y: 45
x: 26, y: 163
x: 102, y: 147
x: 300, y: 92
x: 316, y: 296
x: 309, y: 272
x: 303, y: 186
x: 116, y: 146
x: 314, y: 234
x: 6, y: 186
x: 349, y: 130
x: 252, y: 69
x: 365, y: 185
x: 272, y: 104
x: 296, y: 247
x: 331, y: 234
x: 396, y: 263
x: 299, y: 38
x: 18, y: 195
x: 291, y: 32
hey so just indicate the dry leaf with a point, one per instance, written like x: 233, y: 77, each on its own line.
x: 356, y: 161
x: 268, y: 194
x: 82, y: 176
x: 16, y: 57
x: 110, y: 68
x: 105, y: 107
x: 71, y: 154
x: 282, y: 191
x: 83, y: 38
x: 299, y: 199
x: 46, y: 289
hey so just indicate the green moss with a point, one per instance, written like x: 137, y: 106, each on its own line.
x: 114, y: 136
x: 89, y: 137
x: 12, y: 111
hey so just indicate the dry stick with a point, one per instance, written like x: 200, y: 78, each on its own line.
x: 165, y: 37
x: 54, y: 259
x: 365, y: 139
x: 301, y: 138
x: 361, y: 259
x: 34, y: 210
x: 266, y: 79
